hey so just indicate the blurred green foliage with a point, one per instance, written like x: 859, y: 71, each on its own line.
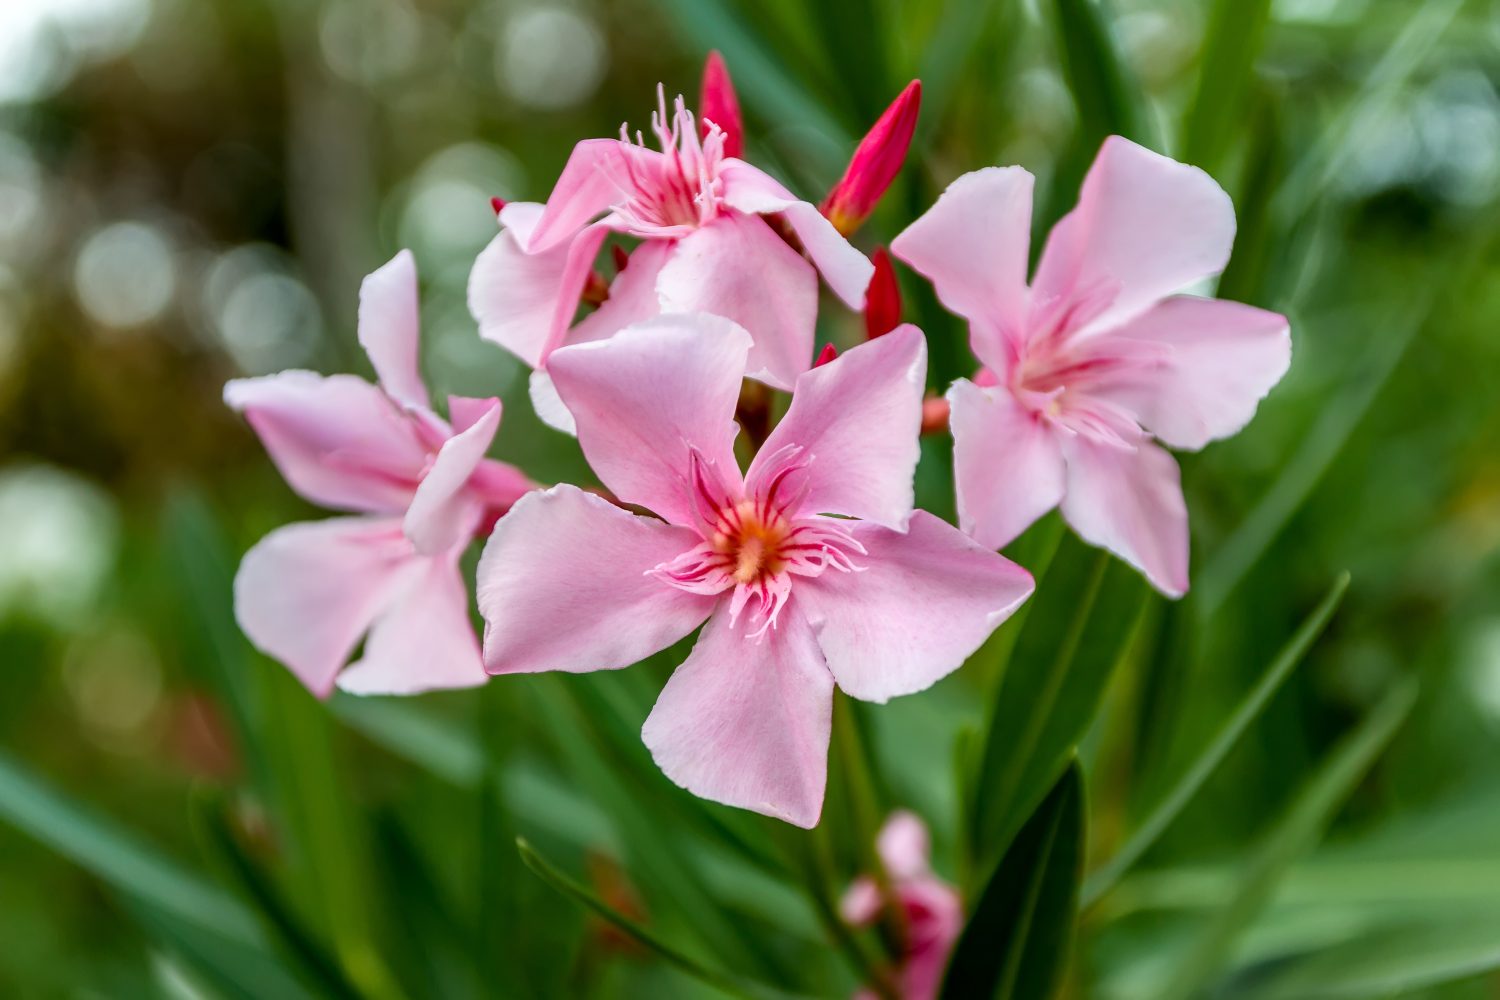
x: 191, y: 190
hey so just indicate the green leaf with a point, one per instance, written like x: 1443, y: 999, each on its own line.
x: 1109, y: 102
x: 1081, y: 617
x: 730, y: 984
x: 229, y: 967
x: 1207, y: 761
x: 1294, y: 833
x: 1017, y: 940
x: 1236, y: 30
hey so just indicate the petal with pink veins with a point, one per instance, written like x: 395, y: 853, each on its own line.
x: 736, y: 267
x: 442, y: 512
x: 597, y: 175
x: 1215, y: 361
x: 337, y: 440
x: 306, y: 593
x: 424, y: 641
x: 918, y: 605
x: 389, y: 329
x: 745, y: 721
x: 856, y: 420
x: 563, y: 585
x: 1145, y: 226
x: 1007, y: 464
x: 751, y: 190
x: 1129, y: 501
x: 646, y: 398
x: 973, y: 245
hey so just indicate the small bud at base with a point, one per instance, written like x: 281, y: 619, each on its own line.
x: 827, y: 354
x: 718, y: 103
x: 883, y: 298
x: 497, y: 204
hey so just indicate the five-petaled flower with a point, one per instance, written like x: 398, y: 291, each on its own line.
x: 811, y: 568
x: 932, y: 912
x: 1083, y: 367
x: 706, y: 248
x: 307, y: 593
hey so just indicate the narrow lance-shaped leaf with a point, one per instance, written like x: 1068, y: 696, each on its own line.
x: 1016, y: 942
x: 1228, y: 736
x: 1297, y: 830
x: 1236, y: 29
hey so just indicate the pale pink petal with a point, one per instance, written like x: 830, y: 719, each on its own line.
x: 442, y: 513
x: 306, y: 593
x: 847, y: 271
x: 499, y: 484
x: 1130, y: 502
x: 525, y: 302
x: 745, y: 721
x: 861, y: 903
x: 1214, y: 361
x: 563, y: 585
x: 856, y: 420
x: 632, y: 295
x: 904, y: 846
x: 647, y: 397
x: 1145, y: 226
x: 465, y: 411
x: 337, y: 440
x: 736, y: 267
x: 973, y: 245
x: 548, y: 405
x: 1007, y: 463
x: 597, y: 175
x: 424, y: 641
x: 389, y: 329
x: 919, y: 604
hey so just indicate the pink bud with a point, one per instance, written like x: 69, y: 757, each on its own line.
x: 827, y: 354
x: 718, y: 103
x: 497, y: 204
x: 883, y: 299
x: 875, y: 163
x: 934, y: 415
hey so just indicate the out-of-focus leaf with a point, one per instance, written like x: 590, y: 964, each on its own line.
x: 110, y: 853
x: 296, y: 941
x: 1256, y: 243
x: 958, y: 31
x: 851, y: 34
x: 230, y: 967
x: 1226, y: 64
x: 1109, y: 101
x: 1293, y: 833
x: 723, y: 981
x: 1080, y: 620
x: 1208, y: 760
x: 1016, y: 942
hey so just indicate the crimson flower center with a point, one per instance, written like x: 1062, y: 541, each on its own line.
x: 752, y: 541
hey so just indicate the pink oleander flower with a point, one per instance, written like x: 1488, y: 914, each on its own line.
x: 811, y: 568
x: 875, y: 163
x: 931, y: 910
x: 1097, y: 356
x: 705, y: 248
x: 307, y: 593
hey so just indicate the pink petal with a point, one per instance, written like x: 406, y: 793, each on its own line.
x: 424, y: 641
x: 548, y: 405
x: 920, y: 604
x: 1217, y: 361
x: 646, y: 397
x: 596, y: 176
x: 861, y: 903
x: 525, y: 302
x: 904, y: 846
x: 856, y: 419
x: 745, y: 721
x: 632, y: 295
x: 337, y: 440
x: 736, y: 267
x: 1007, y: 465
x: 442, y: 514
x: 305, y: 593
x: 563, y: 586
x: 847, y: 271
x: 973, y: 244
x: 1130, y: 502
x: 389, y: 329
x: 1145, y: 226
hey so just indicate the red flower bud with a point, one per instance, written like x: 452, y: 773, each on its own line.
x: 497, y: 204
x: 827, y: 354
x: 875, y: 163
x: 883, y: 299
x: 621, y: 256
x: 718, y: 103
x: 934, y: 415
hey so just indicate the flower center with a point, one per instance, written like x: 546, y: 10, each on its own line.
x: 750, y: 542
x: 679, y: 192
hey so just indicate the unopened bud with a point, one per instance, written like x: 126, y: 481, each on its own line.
x: 875, y: 163
x: 497, y: 204
x: 934, y: 415
x: 827, y: 354
x: 883, y: 298
x: 718, y: 103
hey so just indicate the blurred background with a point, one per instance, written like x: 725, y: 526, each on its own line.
x: 191, y: 190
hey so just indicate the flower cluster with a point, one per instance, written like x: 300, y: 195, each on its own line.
x: 807, y: 567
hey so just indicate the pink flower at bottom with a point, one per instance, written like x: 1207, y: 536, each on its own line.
x: 811, y: 569
x: 931, y: 909
x: 307, y: 593
x: 1096, y: 357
